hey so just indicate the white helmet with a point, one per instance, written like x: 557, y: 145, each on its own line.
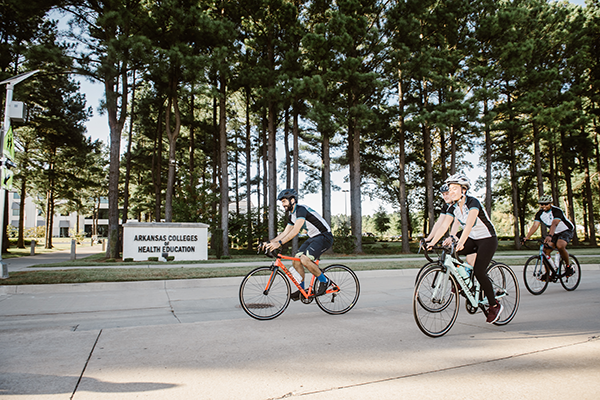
x: 459, y: 179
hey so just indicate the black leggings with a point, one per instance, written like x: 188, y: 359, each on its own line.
x: 485, y: 249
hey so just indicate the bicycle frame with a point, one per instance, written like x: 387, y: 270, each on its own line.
x: 306, y: 293
x: 549, y: 263
x: 441, y: 283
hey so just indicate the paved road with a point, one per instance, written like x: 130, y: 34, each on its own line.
x: 191, y: 340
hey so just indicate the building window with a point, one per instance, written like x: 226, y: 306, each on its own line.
x: 15, y: 212
x: 16, y: 196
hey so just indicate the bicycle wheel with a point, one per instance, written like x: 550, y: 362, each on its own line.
x: 533, y: 272
x: 260, y: 303
x: 435, y: 303
x: 506, y: 287
x: 572, y: 281
x: 343, y: 292
x: 423, y: 268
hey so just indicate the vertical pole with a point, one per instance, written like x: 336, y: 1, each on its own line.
x: 5, y: 127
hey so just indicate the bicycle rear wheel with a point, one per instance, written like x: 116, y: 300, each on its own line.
x: 265, y: 293
x: 435, y: 303
x: 506, y: 287
x: 572, y: 281
x: 533, y: 273
x: 343, y: 292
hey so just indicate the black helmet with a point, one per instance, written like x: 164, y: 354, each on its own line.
x: 287, y: 194
x: 444, y: 188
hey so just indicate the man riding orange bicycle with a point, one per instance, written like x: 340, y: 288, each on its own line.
x: 320, y: 239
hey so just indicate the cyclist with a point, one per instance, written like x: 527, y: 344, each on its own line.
x: 478, y: 236
x: 320, y: 239
x: 560, y: 230
x: 443, y: 215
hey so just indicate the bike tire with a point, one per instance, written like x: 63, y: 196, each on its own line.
x: 570, y: 283
x: 423, y: 268
x: 341, y: 296
x: 259, y: 303
x: 506, y: 286
x: 533, y: 271
x: 435, y: 316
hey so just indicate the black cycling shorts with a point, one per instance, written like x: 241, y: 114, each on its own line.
x: 316, y: 245
x: 567, y: 236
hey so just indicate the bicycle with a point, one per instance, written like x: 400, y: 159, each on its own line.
x: 265, y: 293
x: 540, y: 270
x: 436, y: 299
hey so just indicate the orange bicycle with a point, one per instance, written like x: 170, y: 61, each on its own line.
x: 265, y: 293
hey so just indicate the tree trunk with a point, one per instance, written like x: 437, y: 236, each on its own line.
x: 172, y: 134
x: 128, y: 155
x: 286, y: 144
x: 22, y: 193
x: 295, y: 134
x: 488, y: 162
x: 248, y: 172
x: 157, y: 169
x: 355, y: 192
x: 589, y: 197
x: 538, y: 160
x: 566, y: 157
x: 326, y: 178
x: 402, y: 170
x: 115, y: 124
x: 513, y: 174
x: 271, y: 150
x: 224, y: 205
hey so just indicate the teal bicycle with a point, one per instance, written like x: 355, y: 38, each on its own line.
x: 437, y: 294
x: 540, y: 270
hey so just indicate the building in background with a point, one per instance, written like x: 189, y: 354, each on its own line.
x: 62, y: 224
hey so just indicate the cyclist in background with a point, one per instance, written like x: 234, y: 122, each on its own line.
x: 478, y: 236
x: 560, y: 230
x: 320, y: 239
x: 443, y: 214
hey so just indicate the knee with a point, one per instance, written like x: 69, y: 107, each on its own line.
x: 304, y: 259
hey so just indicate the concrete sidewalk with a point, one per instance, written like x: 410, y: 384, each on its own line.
x: 21, y: 263
x: 191, y: 340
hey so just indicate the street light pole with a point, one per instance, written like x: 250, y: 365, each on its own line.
x: 10, y: 85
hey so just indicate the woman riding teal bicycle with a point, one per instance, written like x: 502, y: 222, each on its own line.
x: 478, y: 236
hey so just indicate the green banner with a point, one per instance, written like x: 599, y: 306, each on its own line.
x: 9, y: 144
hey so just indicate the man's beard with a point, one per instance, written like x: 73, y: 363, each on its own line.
x: 289, y: 207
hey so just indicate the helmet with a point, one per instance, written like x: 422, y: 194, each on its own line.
x: 444, y: 188
x: 287, y: 194
x: 459, y: 179
x: 545, y: 199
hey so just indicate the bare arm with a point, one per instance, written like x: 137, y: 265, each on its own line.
x: 534, y: 227
x: 471, y: 218
x: 288, y: 234
x: 444, y: 225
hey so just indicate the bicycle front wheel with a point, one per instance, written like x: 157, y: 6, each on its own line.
x: 265, y: 293
x: 424, y: 268
x: 506, y: 287
x: 435, y: 303
x: 535, y: 275
x: 571, y: 281
x: 343, y: 292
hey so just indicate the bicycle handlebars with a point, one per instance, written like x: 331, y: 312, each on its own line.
x: 448, y: 249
